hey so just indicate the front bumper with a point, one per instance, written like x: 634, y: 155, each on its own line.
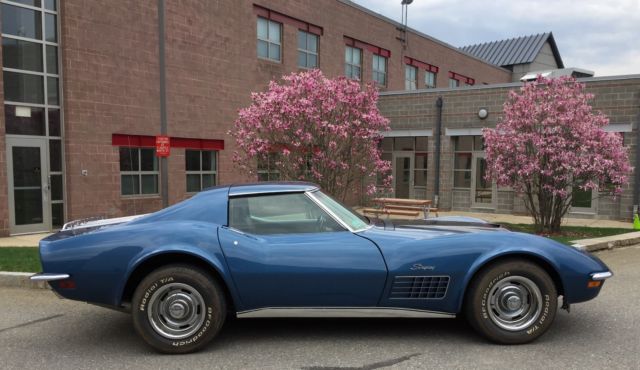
x: 49, y: 277
x: 601, y: 276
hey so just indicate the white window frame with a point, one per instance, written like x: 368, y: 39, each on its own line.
x: 349, y: 63
x: 271, y: 173
x: 376, y: 71
x: 140, y: 173
x: 270, y: 43
x: 410, y: 77
x: 307, y: 51
x: 201, y: 172
x: 427, y: 83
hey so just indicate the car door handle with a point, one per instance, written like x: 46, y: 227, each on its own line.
x: 241, y: 233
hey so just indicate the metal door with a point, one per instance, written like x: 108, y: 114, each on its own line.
x: 483, y: 192
x: 403, y: 174
x: 28, y: 180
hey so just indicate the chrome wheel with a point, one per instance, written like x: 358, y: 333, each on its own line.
x: 515, y: 302
x: 176, y: 311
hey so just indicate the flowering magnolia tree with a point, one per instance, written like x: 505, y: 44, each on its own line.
x: 315, y: 129
x: 549, y: 143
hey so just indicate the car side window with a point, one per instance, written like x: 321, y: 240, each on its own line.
x: 279, y: 214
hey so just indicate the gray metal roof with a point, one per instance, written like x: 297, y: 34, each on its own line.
x: 519, y: 50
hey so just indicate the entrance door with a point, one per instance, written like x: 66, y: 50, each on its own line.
x: 27, y: 173
x: 403, y: 174
x: 482, y: 191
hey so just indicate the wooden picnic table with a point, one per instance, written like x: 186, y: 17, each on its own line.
x: 401, y: 207
x: 403, y: 201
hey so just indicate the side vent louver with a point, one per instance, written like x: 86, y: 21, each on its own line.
x: 419, y: 287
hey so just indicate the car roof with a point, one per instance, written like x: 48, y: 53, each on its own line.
x: 271, y: 187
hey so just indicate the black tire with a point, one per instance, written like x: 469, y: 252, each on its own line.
x: 511, y: 282
x: 174, y: 295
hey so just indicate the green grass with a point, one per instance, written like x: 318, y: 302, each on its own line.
x: 20, y: 259
x: 570, y: 233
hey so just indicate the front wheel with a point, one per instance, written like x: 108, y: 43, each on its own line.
x: 178, y: 309
x: 512, y: 302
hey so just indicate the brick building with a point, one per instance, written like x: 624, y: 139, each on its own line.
x: 465, y: 111
x: 81, y: 94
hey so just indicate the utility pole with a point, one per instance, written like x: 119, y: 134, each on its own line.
x: 164, y: 166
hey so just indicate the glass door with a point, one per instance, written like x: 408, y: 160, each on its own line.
x: 28, y: 172
x: 403, y: 174
x: 482, y: 191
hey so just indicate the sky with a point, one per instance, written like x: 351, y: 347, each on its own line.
x: 602, y: 36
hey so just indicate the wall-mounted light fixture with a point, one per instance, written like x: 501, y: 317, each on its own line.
x: 483, y: 113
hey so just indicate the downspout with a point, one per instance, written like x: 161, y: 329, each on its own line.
x: 436, y: 158
x: 636, y: 184
x: 164, y: 167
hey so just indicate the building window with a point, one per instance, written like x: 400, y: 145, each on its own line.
x: 267, y: 170
x: 269, y: 39
x: 420, y: 163
x: 307, y: 50
x: 353, y: 62
x: 201, y: 168
x: 419, y: 145
x: 31, y: 91
x: 379, y: 70
x: 581, y: 198
x: 410, y: 77
x: 463, y: 147
x: 430, y: 80
x: 138, y: 171
x: 456, y: 79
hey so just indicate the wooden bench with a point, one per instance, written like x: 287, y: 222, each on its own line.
x: 382, y: 211
x: 401, y: 207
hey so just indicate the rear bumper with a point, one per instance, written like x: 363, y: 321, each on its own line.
x: 48, y: 277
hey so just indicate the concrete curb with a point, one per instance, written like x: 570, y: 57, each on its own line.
x: 609, y: 242
x: 20, y: 280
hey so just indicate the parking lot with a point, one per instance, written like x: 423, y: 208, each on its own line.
x: 38, y: 331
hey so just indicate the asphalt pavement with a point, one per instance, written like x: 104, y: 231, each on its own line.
x: 40, y: 331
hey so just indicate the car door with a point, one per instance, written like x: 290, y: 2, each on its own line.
x: 283, y: 250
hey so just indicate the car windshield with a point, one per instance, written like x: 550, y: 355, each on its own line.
x: 345, y: 214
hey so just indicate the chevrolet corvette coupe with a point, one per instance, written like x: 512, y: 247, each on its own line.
x: 289, y: 250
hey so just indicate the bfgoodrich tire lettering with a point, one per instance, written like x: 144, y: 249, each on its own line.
x: 511, y: 302
x: 178, y: 309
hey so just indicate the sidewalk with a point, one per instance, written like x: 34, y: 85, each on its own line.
x: 30, y: 240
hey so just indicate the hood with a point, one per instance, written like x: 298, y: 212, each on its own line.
x: 433, y: 227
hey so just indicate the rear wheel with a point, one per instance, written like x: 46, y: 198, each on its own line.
x: 512, y: 302
x: 178, y: 309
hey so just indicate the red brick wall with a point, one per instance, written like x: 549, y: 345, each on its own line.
x: 110, y: 66
x: 111, y: 79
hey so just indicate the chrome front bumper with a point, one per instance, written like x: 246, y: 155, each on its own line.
x: 48, y: 277
x: 600, y: 276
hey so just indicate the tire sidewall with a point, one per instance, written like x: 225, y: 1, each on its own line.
x: 479, y: 310
x: 215, y: 309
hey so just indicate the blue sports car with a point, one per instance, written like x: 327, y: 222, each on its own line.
x: 289, y: 250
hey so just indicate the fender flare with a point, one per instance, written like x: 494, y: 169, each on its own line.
x: 494, y: 255
x: 216, y: 262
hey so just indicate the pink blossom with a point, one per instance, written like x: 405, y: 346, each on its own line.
x: 325, y: 130
x: 550, y: 141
